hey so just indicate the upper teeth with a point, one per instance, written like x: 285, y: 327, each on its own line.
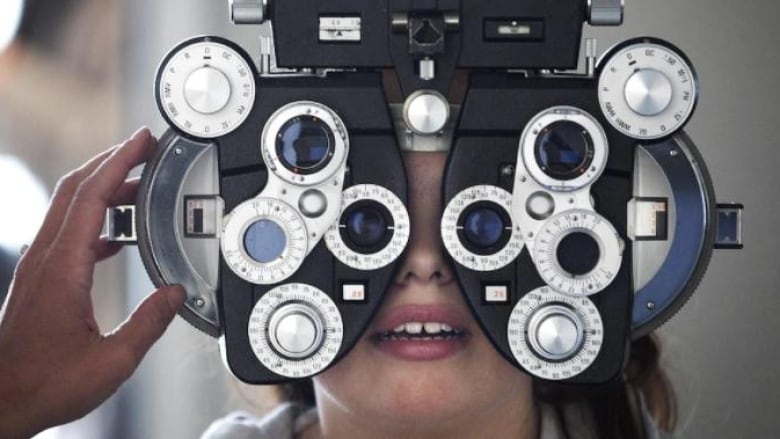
x: 417, y: 327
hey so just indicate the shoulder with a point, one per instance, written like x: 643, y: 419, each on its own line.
x: 576, y: 421
x: 283, y: 422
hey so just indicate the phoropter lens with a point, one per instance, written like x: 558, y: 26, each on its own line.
x: 366, y: 227
x: 305, y: 144
x: 578, y: 253
x: 483, y: 228
x: 564, y: 150
x: 264, y: 241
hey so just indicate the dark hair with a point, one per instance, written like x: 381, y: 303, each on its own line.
x: 42, y: 21
x: 614, y: 405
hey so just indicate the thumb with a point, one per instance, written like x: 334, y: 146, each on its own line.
x: 148, y: 322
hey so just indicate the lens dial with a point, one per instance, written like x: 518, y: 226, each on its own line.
x: 206, y: 87
x: 373, y: 229
x: 647, y: 88
x: 578, y: 252
x: 305, y: 143
x: 478, y: 231
x: 564, y: 148
x: 295, y: 330
x: 555, y: 336
x: 264, y: 241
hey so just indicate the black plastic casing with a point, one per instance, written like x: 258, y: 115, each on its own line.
x: 496, y: 109
x: 374, y: 158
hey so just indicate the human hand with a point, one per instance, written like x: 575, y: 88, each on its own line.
x: 56, y: 364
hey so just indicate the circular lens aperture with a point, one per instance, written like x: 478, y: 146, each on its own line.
x: 305, y: 144
x: 578, y: 253
x: 564, y: 150
x: 366, y: 226
x: 264, y: 241
x: 483, y: 227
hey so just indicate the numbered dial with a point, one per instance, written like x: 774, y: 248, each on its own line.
x: 555, y: 336
x: 264, y: 241
x: 478, y: 231
x: 206, y: 87
x: 647, y: 88
x: 578, y: 252
x: 295, y: 330
x: 373, y: 229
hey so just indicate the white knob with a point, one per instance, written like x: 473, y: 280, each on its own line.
x: 426, y: 112
x: 648, y: 92
x: 555, y: 332
x: 207, y: 90
x: 295, y: 330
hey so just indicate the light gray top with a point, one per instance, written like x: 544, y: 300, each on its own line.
x: 288, y: 420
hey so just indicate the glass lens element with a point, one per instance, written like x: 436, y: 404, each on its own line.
x: 366, y: 226
x: 265, y: 241
x: 578, y: 253
x: 564, y: 150
x: 304, y: 144
x: 483, y: 227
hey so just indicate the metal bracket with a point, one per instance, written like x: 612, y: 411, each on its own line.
x: 120, y: 224
x: 729, y: 226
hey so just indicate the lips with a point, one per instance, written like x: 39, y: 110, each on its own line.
x: 421, y: 332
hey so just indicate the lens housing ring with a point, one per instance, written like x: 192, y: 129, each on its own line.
x: 395, y: 245
x: 542, y: 121
x: 336, y: 156
x: 459, y: 204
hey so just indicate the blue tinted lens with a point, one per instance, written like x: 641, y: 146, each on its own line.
x: 483, y: 227
x: 304, y: 142
x: 563, y: 149
x: 264, y: 241
x: 366, y: 226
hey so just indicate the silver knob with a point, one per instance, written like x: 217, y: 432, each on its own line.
x: 605, y: 12
x: 555, y: 332
x: 248, y: 11
x: 295, y: 330
x: 426, y: 112
x: 648, y: 92
x: 207, y: 90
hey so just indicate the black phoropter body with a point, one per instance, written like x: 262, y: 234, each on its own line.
x: 576, y: 213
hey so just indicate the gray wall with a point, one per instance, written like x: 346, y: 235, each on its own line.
x: 720, y: 348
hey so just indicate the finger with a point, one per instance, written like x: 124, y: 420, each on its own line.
x: 61, y: 199
x: 104, y: 248
x: 131, y: 340
x: 84, y: 219
x: 126, y: 193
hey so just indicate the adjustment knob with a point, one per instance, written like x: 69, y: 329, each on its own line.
x: 555, y: 336
x: 647, y: 88
x: 605, y: 12
x: 555, y: 332
x: 426, y: 112
x: 295, y: 330
x: 648, y: 92
x: 248, y: 11
x: 207, y: 90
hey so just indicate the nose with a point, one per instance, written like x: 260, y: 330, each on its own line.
x: 425, y: 261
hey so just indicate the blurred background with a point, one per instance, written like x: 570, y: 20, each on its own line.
x: 76, y: 77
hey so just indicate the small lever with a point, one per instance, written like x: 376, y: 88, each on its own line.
x: 729, y: 226
x: 120, y: 223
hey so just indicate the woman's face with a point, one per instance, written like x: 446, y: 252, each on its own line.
x: 403, y: 377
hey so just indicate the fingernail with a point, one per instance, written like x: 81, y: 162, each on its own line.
x: 176, y: 296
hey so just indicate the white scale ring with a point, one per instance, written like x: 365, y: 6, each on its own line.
x: 289, y: 112
x: 664, y: 77
x: 235, y: 253
x: 206, y: 89
x: 449, y: 229
x: 520, y: 342
x: 330, y: 340
x: 558, y: 114
x: 400, y: 229
x: 597, y: 227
